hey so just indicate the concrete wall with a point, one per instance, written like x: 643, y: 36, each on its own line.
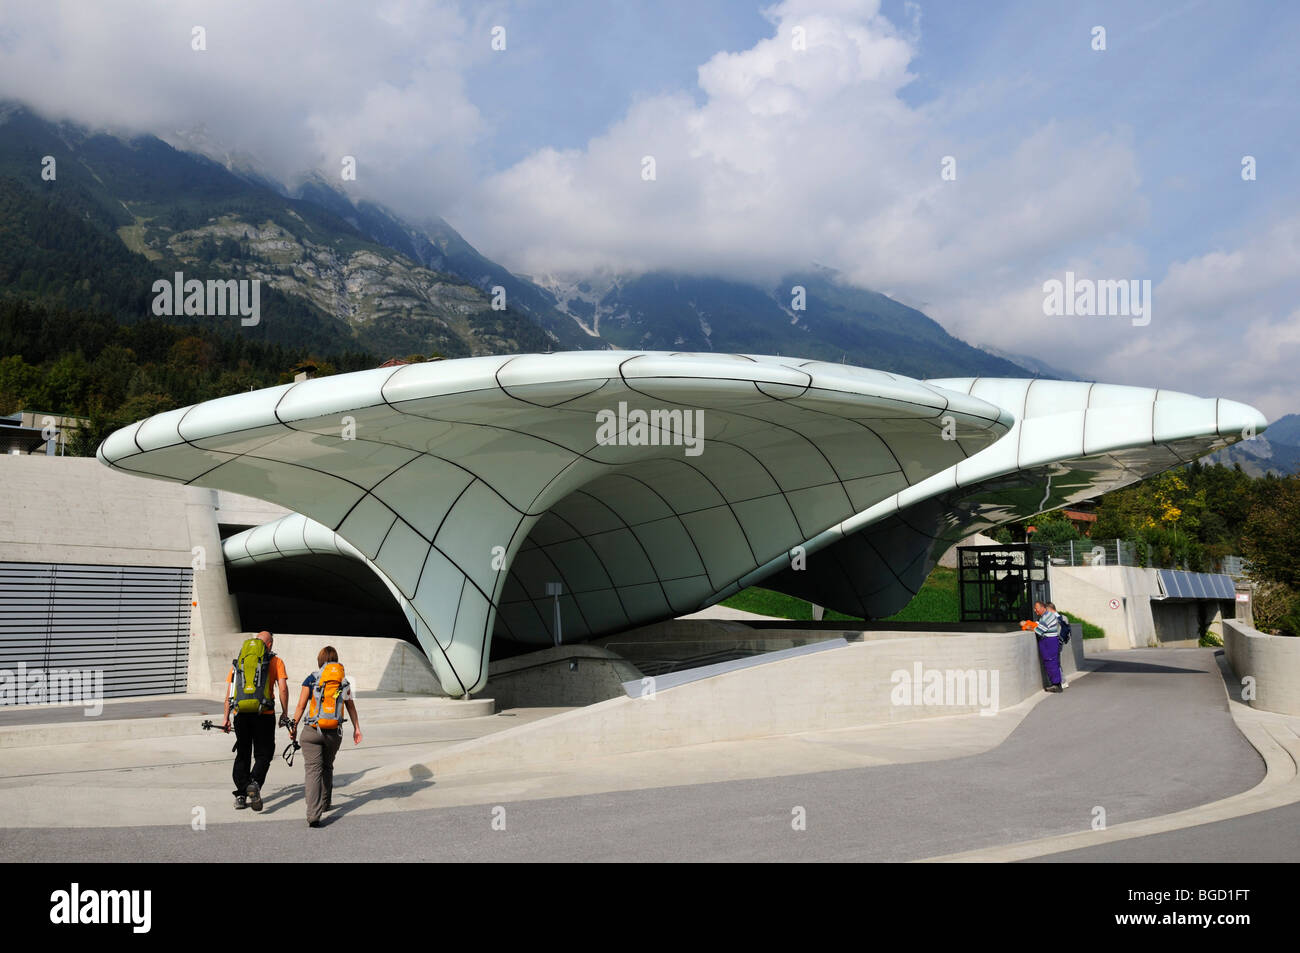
x: 563, y: 676
x: 372, y: 664
x: 1181, y: 624
x: 683, y: 630
x: 1272, y: 660
x: 1244, y: 611
x: 232, y: 509
x: 1086, y: 591
x: 1144, y: 619
x: 836, y: 688
x: 76, y: 510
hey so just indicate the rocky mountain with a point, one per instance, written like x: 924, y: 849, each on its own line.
x: 1275, y: 451
x: 1037, y: 366
x: 323, y: 278
x: 347, y: 274
x: 438, y: 246
x: 809, y: 314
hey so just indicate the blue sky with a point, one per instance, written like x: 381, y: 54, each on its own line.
x: 1122, y: 164
x: 1196, y: 83
x: 574, y: 68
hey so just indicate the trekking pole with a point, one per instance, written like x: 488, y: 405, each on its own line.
x: 292, y: 747
x: 208, y: 725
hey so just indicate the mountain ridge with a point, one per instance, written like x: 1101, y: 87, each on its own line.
x: 367, y: 277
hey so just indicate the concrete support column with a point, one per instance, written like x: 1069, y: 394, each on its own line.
x: 214, y: 617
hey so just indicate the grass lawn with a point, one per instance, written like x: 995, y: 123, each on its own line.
x: 778, y: 604
x: 936, y: 602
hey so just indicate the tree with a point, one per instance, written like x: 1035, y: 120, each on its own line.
x: 1053, y: 528
x: 17, y: 381
x: 1270, y: 538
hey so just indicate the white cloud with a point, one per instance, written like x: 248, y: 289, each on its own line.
x: 1231, y: 320
x: 771, y: 171
x: 799, y: 156
x: 294, y: 85
x: 793, y: 157
x: 778, y: 158
x: 1223, y: 324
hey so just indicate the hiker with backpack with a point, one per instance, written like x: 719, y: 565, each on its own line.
x: 326, y: 692
x: 254, y: 675
x: 1048, y: 633
x: 1066, y: 632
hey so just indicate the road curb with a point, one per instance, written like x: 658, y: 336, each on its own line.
x: 1270, y: 735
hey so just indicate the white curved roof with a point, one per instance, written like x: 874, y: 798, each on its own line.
x: 470, y: 484
x: 1071, y: 441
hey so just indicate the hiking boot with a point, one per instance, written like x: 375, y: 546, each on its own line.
x: 254, y: 796
x: 241, y: 803
x: 313, y: 823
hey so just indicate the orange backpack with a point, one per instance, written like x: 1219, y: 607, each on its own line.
x: 326, y: 711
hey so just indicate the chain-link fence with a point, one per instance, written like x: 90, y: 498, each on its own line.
x: 1099, y: 552
x: 1124, y: 552
x: 1234, y: 566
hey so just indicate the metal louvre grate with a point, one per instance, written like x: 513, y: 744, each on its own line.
x: 130, y: 622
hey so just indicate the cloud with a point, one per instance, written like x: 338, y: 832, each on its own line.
x: 811, y: 145
x: 1223, y: 323
x: 791, y: 156
x: 770, y: 171
x: 1232, y: 321
x: 293, y: 85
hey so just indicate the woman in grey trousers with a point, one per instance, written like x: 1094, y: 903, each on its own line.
x: 320, y: 745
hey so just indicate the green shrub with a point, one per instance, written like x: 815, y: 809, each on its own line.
x: 1090, y: 631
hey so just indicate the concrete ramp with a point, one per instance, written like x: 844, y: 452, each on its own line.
x: 884, y: 680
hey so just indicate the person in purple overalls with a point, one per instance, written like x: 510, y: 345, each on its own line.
x: 1048, y: 633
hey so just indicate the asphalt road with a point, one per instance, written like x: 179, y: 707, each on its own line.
x: 1267, y: 837
x: 1147, y: 734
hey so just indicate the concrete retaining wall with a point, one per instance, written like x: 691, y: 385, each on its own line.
x: 76, y: 510
x: 836, y: 688
x: 372, y: 664
x: 1144, y: 618
x: 564, y: 676
x: 1086, y: 591
x: 1272, y: 660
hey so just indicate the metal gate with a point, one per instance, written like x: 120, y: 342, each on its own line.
x: 132, y: 623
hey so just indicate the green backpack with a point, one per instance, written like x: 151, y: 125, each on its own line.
x: 252, y: 678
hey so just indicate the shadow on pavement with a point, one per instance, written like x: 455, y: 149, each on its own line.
x: 421, y: 778
x: 1144, y: 668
